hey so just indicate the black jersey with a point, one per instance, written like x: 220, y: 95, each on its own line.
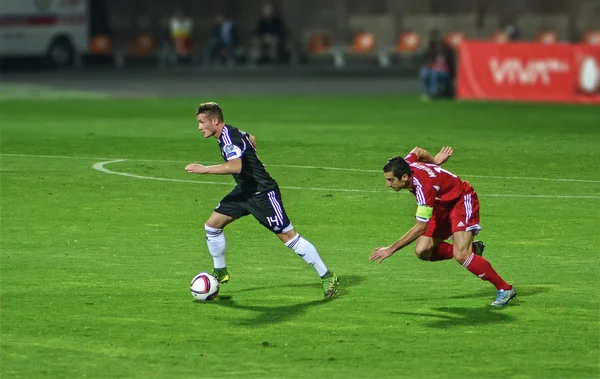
x: 253, y: 178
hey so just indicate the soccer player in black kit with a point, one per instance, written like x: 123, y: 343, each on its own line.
x: 256, y: 193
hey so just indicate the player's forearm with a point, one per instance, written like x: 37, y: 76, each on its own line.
x: 414, y: 233
x: 223, y: 169
x: 424, y: 156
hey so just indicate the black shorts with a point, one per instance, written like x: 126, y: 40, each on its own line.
x: 266, y: 207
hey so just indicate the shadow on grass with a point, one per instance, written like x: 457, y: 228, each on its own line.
x: 458, y: 317
x: 266, y: 315
x: 490, y: 293
x: 345, y: 283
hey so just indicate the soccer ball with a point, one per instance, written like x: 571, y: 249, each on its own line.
x: 204, y: 286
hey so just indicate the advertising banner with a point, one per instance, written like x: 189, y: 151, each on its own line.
x: 529, y: 72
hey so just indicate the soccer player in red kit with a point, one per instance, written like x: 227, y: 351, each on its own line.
x: 446, y: 206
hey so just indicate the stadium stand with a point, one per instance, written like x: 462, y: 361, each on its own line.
x: 499, y: 36
x: 592, y: 37
x: 454, y: 39
x: 547, y: 37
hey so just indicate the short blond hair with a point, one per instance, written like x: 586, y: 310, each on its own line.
x: 212, y: 108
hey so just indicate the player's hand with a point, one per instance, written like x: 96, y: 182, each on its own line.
x: 381, y: 253
x: 196, y: 168
x: 252, y: 140
x: 443, y: 155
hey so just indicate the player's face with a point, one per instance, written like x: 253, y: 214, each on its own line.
x: 207, y: 125
x: 397, y: 184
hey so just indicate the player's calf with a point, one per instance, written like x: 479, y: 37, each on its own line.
x: 304, y: 249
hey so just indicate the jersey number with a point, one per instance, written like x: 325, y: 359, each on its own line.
x: 438, y: 169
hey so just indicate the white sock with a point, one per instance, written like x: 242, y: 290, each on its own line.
x: 216, y: 245
x: 307, y: 251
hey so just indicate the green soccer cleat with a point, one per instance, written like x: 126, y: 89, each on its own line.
x: 479, y: 247
x: 330, y: 283
x: 222, y: 275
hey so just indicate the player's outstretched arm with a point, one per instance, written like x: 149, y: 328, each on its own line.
x: 233, y: 166
x: 423, y: 155
x: 382, y: 253
x: 444, y: 154
x: 440, y: 158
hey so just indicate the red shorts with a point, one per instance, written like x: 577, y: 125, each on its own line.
x: 462, y: 217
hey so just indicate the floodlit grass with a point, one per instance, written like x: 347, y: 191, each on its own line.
x: 95, y: 267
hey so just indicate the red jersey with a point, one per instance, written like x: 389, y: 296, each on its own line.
x: 435, y: 187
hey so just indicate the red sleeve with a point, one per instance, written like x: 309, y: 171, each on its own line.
x: 411, y: 158
x: 424, y: 192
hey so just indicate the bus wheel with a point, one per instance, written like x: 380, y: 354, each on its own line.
x: 61, y: 53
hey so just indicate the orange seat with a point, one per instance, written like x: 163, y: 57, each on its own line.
x: 454, y: 38
x: 592, y: 37
x: 499, y: 37
x: 319, y: 42
x: 363, y: 42
x: 144, y: 44
x: 408, y: 42
x: 547, y: 38
x: 100, y: 44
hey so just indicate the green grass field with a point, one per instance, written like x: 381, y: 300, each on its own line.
x: 95, y: 267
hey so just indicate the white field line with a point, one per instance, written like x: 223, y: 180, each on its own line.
x: 100, y: 166
x: 303, y: 167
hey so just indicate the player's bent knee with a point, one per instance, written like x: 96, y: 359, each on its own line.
x: 286, y: 236
x: 461, y: 255
x: 218, y: 221
x: 212, y: 224
x: 423, y: 253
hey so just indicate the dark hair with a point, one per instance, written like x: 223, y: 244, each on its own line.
x: 211, y: 107
x: 398, y: 166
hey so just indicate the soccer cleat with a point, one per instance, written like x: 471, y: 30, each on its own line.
x: 479, y: 248
x: 330, y: 286
x: 504, y: 296
x: 222, y: 275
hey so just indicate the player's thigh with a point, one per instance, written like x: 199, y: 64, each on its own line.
x: 267, y: 208
x: 218, y: 220
x: 231, y: 207
x: 439, y: 226
x: 465, y: 214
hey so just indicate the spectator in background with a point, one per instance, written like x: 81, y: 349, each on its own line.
x: 224, y: 39
x: 181, y: 35
x: 271, y: 33
x: 438, y: 70
x: 512, y: 32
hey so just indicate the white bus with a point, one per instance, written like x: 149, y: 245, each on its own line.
x: 57, y: 30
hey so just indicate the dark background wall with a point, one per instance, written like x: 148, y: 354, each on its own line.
x: 387, y: 18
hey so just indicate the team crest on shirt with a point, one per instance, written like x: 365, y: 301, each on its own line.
x: 230, y: 150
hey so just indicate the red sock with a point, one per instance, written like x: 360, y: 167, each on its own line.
x: 483, y: 269
x: 443, y: 252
